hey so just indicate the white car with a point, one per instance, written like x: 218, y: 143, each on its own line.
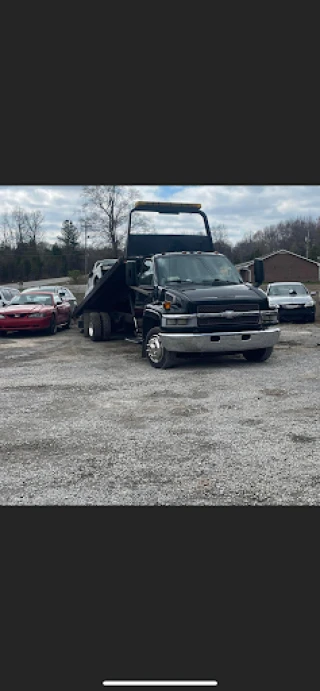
x: 293, y: 300
x: 98, y: 270
x: 6, y: 295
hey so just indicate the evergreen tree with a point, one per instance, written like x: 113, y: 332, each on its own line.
x: 69, y: 239
x: 70, y: 236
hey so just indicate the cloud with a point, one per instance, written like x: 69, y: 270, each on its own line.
x: 241, y: 209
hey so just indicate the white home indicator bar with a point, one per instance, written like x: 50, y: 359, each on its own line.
x: 160, y: 683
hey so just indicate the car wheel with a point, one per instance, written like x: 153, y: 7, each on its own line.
x: 259, y: 355
x: 156, y: 353
x: 52, y: 329
x: 95, y: 327
x: 106, y: 326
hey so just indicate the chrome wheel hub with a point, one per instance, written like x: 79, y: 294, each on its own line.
x: 90, y: 331
x: 154, y: 348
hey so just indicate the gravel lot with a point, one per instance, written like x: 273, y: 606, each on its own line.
x: 93, y: 423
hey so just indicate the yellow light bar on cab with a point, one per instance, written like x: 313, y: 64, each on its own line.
x: 173, y: 205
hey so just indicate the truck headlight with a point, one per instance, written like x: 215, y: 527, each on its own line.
x: 184, y: 320
x: 269, y: 316
x: 177, y: 322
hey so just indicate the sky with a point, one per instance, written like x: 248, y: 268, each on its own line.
x: 241, y: 209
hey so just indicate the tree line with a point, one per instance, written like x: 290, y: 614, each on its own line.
x: 25, y: 255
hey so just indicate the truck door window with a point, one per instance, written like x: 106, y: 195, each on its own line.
x: 146, y: 275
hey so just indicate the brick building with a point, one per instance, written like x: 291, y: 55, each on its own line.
x: 283, y: 266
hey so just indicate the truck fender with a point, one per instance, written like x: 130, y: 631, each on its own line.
x: 151, y: 318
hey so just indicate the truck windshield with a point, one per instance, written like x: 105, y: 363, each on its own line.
x: 201, y: 269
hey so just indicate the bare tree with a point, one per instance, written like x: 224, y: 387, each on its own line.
x: 21, y: 226
x: 33, y: 223
x: 220, y: 240
x: 219, y: 233
x: 106, y: 209
x: 7, y: 232
x: 18, y: 221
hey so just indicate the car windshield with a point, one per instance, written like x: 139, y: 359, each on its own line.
x: 54, y: 289
x: 108, y: 262
x: 32, y: 299
x: 202, y: 269
x: 288, y: 289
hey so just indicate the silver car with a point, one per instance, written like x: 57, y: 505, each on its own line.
x: 293, y: 300
x: 64, y: 292
x: 6, y: 295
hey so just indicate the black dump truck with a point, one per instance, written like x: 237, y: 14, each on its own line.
x: 174, y: 295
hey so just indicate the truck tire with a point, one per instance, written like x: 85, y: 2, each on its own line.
x: 259, y: 355
x: 155, y: 352
x: 95, y: 326
x: 106, y: 326
x: 85, y: 329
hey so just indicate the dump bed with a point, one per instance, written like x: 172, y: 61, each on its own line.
x: 111, y: 293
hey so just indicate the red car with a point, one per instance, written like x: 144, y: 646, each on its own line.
x: 34, y: 312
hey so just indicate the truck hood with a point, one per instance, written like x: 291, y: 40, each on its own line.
x: 25, y: 309
x: 220, y: 293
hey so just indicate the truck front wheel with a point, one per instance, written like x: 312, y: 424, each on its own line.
x: 259, y: 355
x: 95, y: 327
x: 156, y: 353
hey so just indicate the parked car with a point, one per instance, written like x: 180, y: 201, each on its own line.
x: 64, y: 293
x: 35, y: 311
x: 98, y: 270
x: 293, y: 300
x: 6, y: 294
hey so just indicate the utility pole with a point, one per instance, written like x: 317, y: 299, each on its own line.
x: 307, y: 241
x: 86, y: 225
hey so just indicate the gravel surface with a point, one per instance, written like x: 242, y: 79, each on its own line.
x: 93, y: 423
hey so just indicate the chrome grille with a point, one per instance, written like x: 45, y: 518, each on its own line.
x: 229, y: 316
x: 235, y: 307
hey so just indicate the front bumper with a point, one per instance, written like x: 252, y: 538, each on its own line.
x: 25, y: 324
x: 296, y: 313
x: 223, y: 342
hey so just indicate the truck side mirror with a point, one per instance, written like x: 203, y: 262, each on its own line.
x: 258, y: 272
x: 131, y: 273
